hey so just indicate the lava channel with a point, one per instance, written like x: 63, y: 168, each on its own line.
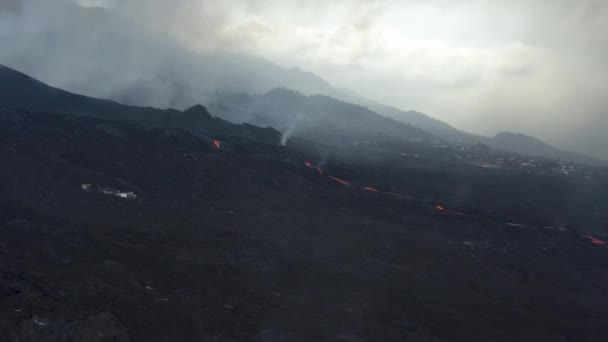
x: 595, y: 241
x: 343, y: 182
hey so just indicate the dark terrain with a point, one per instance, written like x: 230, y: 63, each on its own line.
x: 234, y: 238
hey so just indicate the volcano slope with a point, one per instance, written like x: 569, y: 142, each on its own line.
x: 133, y: 224
x: 247, y: 243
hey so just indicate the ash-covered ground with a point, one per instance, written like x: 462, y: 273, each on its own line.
x: 114, y: 232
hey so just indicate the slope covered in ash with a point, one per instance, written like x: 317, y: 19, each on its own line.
x: 111, y: 230
x: 306, y: 116
x: 18, y: 90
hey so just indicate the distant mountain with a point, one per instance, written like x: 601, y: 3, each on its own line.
x: 422, y: 121
x: 18, y: 90
x: 524, y: 144
x: 150, y: 69
x: 296, y: 114
x: 506, y: 141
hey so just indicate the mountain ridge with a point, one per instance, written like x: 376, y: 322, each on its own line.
x: 19, y: 90
x: 525, y: 144
x: 154, y: 71
x: 295, y: 113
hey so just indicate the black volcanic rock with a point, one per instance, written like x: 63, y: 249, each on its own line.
x: 247, y: 242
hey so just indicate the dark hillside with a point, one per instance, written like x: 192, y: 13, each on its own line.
x: 118, y: 230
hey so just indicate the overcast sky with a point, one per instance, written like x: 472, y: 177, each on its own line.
x: 484, y: 66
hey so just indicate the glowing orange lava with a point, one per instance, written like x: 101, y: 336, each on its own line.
x: 310, y: 166
x: 343, y: 182
x: 595, y: 241
x: 218, y: 144
x: 441, y: 208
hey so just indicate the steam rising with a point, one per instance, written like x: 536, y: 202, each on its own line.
x: 290, y: 130
x: 286, y: 135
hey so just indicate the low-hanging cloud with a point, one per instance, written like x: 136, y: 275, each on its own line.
x: 536, y: 67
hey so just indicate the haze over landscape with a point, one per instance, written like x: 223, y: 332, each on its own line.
x: 296, y: 171
x: 484, y: 67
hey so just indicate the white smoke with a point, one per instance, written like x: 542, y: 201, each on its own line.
x: 288, y: 133
x: 290, y: 130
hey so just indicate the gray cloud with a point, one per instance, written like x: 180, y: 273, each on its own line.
x: 10, y: 5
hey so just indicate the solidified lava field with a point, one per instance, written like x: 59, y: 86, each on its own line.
x: 229, y: 240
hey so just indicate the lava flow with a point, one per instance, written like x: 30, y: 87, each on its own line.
x: 343, y: 182
x: 441, y: 208
x: 310, y: 166
x: 595, y: 241
x: 218, y: 144
x: 399, y: 195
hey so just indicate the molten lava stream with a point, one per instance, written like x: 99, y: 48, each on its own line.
x: 218, y: 144
x: 595, y: 241
x: 516, y: 225
x: 399, y: 195
x: 441, y: 208
x: 310, y: 166
x: 343, y: 182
